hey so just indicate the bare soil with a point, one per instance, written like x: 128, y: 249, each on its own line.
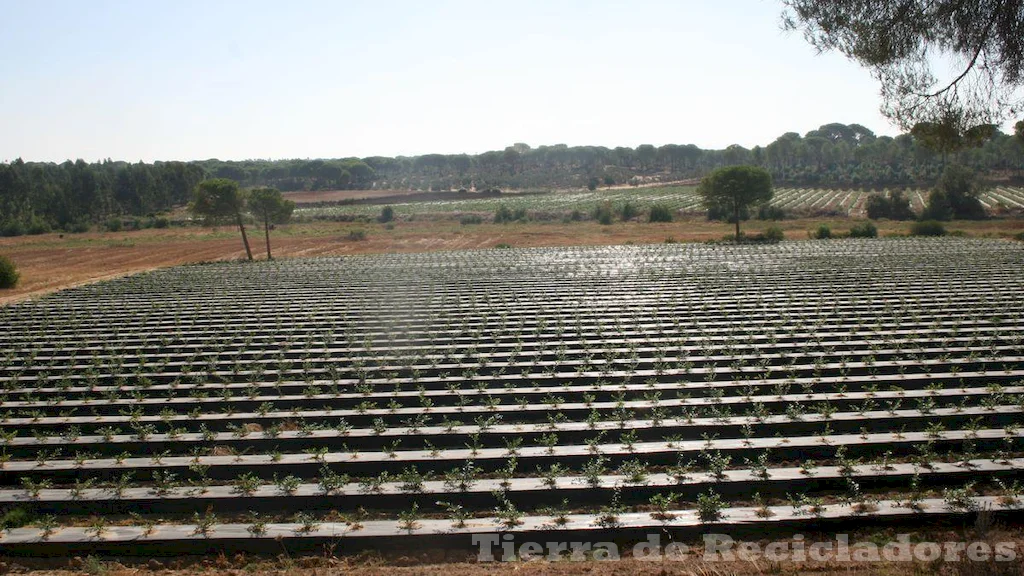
x: 51, y: 262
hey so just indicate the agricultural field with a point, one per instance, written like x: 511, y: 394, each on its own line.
x: 682, y: 199
x: 379, y: 400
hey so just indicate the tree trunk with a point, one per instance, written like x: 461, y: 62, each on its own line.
x: 736, y: 215
x: 266, y: 232
x: 245, y: 239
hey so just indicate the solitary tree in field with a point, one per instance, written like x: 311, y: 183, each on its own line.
x: 269, y: 207
x: 219, y: 200
x: 734, y: 189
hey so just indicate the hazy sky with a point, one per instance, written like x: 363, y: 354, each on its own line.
x: 180, y: 80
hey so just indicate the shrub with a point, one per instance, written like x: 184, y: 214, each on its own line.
x: 15, y: 518
x: 609, y: 180
x: 927, y: 228
x: 604, y: 214
x: 387, y: 214
x: 12, y: 228
x: 356, y: 235
x: 864, y: 230
x: 37, y: 226
x: 660, y: 213
x: 470, y: 219
x: 878, y: 206
x: 114, y: 225
x: 774, y: 234
x: 8, y: 273
x: 938, y: 208
x: 77, y: 227
x: 576, y: 216
x: 161, y: 222
x: 592, y: 183
x: 504, y: 215
x: 629, y: 211
x: 709, y: 507
x: 895, y: 206
x: 955, y: 196
x: 503, y: 245
x: 899, y: 206
x: 769, y: 212
x: 822, y: 233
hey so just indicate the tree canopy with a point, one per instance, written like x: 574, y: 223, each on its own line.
x: 734, y: 189
x: 900, y: 41
x: 218, y: 201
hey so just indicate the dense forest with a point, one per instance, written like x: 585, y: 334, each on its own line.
x: 35, y: 196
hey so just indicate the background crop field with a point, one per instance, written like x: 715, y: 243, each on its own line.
x: 682, y: 199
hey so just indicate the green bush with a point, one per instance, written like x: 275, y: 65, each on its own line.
x: 12, y: 228
x: 592, y: 183
x: 387, y: 214
x: 895, y: 206
x: 37, y: 226
x: 769, y: 212
x: 504, y: 215
x: 604, y: 214
x: 629, y: 211
x: 864, y: 230
x: 161, y: 222
x: 927, y: 228
x: 8, y: 273
x: 15, y: 518
x: 77, y: 227
x: 356, y: 235
x: 660, y: 213
x: 470, y: 219
x: 822, y: 233
x: 114, y: 225
x: 774, y: 234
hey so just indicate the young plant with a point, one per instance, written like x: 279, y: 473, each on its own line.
x: 709, y: 507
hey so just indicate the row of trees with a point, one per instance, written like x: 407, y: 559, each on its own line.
x: 835, y: 155
x: 37, y: 196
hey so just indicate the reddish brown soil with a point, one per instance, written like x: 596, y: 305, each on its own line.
x: 50, y: 262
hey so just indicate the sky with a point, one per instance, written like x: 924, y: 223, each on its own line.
x: 181, y: 80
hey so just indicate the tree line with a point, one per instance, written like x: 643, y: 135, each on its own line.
x: 36, y: 196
